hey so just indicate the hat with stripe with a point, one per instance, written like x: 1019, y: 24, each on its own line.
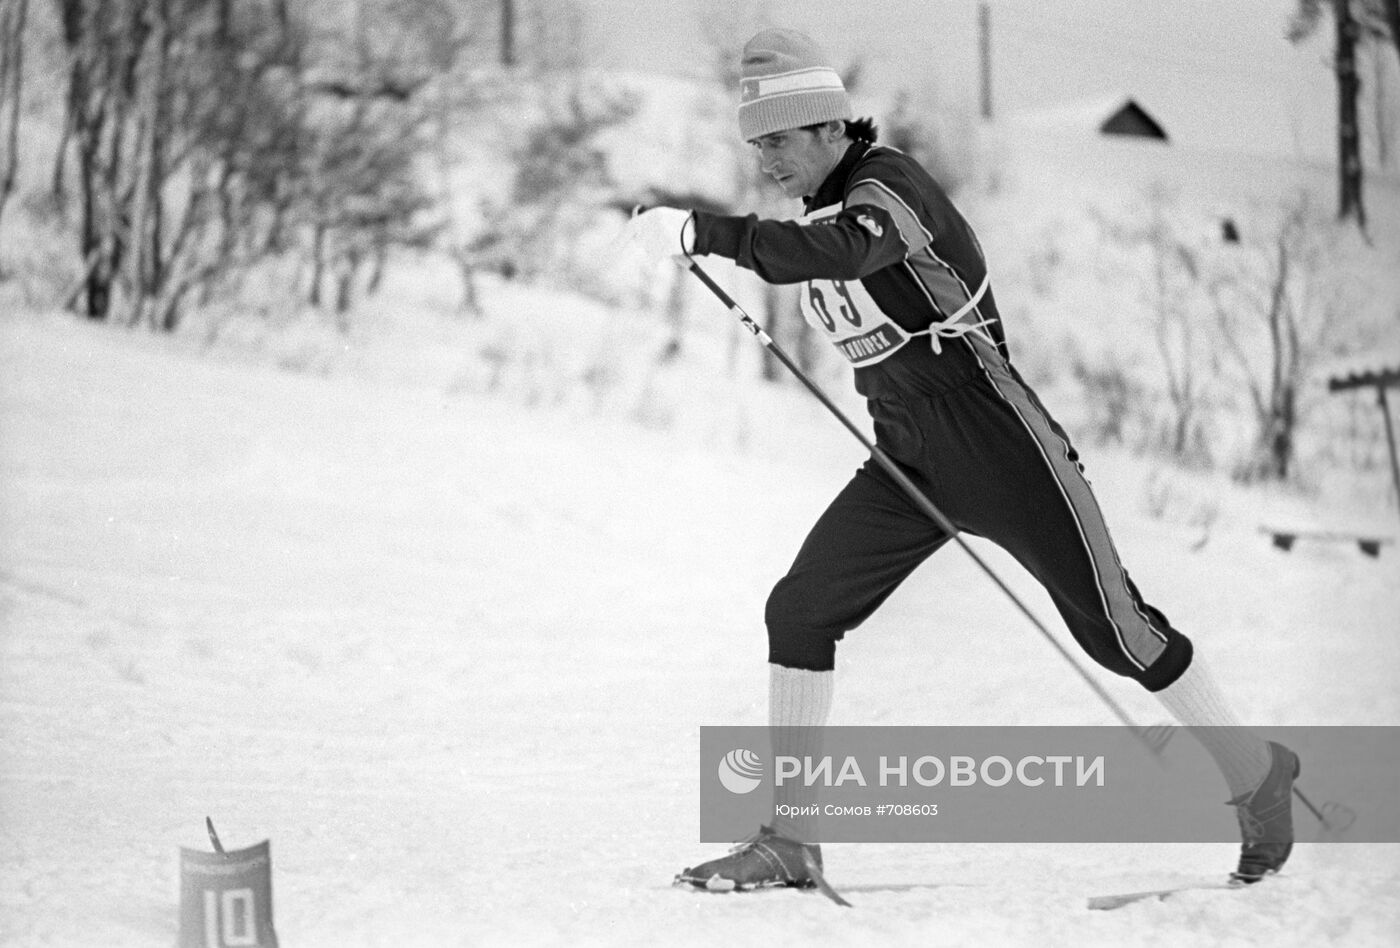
x: 786, y: 82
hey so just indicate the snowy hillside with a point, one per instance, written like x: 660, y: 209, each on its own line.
x: 437, y: 601
x: 450, y: 655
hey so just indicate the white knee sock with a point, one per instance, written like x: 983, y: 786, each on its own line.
x: 1195, y: 700
x: 799, y: 703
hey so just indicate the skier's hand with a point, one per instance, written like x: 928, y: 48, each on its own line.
x: 663, y: 232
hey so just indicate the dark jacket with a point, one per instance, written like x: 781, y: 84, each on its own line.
x: 882, y: 221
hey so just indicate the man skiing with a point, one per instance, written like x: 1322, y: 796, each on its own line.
x: 895, y: 278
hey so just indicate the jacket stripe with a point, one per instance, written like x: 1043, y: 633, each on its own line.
x: 872, y: 191
x: 930, y: 277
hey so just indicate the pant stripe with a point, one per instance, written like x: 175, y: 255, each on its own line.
x: 1119, y: 606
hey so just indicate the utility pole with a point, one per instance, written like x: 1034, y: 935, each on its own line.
x: 507, y: 32
x: 984, y: 36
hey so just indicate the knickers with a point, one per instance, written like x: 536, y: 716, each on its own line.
x: 991, y: 458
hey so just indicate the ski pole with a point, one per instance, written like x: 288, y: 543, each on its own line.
x: 911, y: 489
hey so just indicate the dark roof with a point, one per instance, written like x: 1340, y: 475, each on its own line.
x: 1387, y: 377
x: 1133, y: 120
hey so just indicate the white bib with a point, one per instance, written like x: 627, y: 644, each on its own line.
x: 852, y: 321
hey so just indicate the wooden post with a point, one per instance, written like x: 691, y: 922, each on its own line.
x: 984, y: 34
x: 507, y: 32
x: 1390, y: 440
x: 1380, y: 380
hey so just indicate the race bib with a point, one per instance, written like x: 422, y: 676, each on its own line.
x: 850, y: 319
x: 847, y: 315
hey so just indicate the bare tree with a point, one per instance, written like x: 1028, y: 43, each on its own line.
x: 458, y: 98
x: 1176, y: 273
x: 12, y: 21
x: 105, y: 43
x: 1172, y: 296
x: 211, y: 134
x: 1274, y: 304
x: 560, y: 168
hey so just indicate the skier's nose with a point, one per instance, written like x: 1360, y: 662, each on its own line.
x: 767, y: 162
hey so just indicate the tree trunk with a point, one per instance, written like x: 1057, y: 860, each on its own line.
x: 142, y: 263
x: 11, y: 84
x: 318, y: 263
x: 224, y: 28
x: 1385, y: 126
x: 348, y: 268
x: 380, y: 262
x: 466, y: 269
x: 1392, y: 17
x: 96, y: 256
x: 1350, y: 203
x: 72, y: 38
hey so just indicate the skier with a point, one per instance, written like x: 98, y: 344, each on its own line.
x: 895, y: 279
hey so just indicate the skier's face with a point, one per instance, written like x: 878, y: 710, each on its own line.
x: 799, y: 159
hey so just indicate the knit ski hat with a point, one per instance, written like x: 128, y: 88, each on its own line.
x: 786, y: 82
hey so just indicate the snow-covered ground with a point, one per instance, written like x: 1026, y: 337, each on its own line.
x: 451, y: 653
x: 438, y: 604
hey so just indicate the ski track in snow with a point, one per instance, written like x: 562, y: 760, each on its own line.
x: 451, y: 656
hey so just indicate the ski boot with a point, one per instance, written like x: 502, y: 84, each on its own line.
x: 763, y: 860
x: 1266, y: 819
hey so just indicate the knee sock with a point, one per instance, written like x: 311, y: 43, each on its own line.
x: 799, y: 702
x: 1195, y: 700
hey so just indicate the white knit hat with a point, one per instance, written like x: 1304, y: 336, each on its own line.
x: 786, y: 82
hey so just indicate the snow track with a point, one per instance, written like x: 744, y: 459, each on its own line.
x: 451, y: 657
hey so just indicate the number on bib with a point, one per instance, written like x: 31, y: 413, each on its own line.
x: 845, y: 305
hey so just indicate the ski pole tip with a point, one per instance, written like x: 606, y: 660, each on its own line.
x: 213, y: 836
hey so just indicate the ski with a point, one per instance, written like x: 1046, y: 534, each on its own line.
x: 1107, y: 903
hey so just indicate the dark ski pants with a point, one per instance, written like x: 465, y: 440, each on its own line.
x: 992, y: 459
